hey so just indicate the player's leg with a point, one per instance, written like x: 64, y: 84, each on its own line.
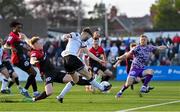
x: 84, y: 72
x: 148, y: 74
x: 31, y: 80
x: 13, y: 76
x: 108, y: 75
x: 74, y: 79
x: 129, y: 82
x: 48, y: 88
x: 132, y: 77
x: 5, y: 73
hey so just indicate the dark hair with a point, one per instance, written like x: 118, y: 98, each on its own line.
x: 14, y: 24
x: 87, y: 30
x: 143, y: 36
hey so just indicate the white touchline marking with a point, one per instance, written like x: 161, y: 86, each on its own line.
x: 154, y: 105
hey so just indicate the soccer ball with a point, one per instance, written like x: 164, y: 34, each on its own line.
x: 105, y: 83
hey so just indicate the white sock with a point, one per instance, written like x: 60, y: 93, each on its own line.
x: 24, y: 90
x: 66, y: 89
x: 36, y: 92
x: 4, y: 84
x: 96, y: 84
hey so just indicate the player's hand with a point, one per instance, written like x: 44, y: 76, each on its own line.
x: 102, y: 62
x: 114, y: 67
x: 117, y: 58
x: 22, y: 36
x: 105, y: 63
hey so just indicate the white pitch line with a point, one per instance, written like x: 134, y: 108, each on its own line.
x: 155, y: 105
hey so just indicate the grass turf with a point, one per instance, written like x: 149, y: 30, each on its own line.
x: 79, y: 100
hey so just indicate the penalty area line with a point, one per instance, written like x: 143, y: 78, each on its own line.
x: 148, y: 106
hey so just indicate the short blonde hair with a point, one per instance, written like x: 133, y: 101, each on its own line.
x: 33, y: 40
x: 133, y: 44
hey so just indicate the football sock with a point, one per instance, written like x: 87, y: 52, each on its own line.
x: 147, y: 79
x: 29, y: 82
x: 66, y: 89
x: 123, y: 88
x: 17, y: 81
x: 43, y: 95
x: 82, y: 82
x: 142, y: 80
x: 94, y: 83
x: 34, y: 84
x: 10, y: 84
x: 4, y: 84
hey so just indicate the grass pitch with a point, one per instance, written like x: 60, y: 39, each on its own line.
x: 80, y: 100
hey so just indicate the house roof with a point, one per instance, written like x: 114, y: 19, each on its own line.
x: 130, y: 24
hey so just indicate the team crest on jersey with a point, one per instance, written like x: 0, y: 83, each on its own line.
x: 26, y: 63
x: 132, y: 73
x: 48, y: 79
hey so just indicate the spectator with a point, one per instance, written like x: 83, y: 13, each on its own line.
x: 176, y: 60
x: 114, y: 50
x: 122, y: 49
x: 165, y: 61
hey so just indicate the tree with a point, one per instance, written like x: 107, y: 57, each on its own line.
x: 13, y: 9
x: 98, y: 11
x: 57, y: 12
x: 165, y: 14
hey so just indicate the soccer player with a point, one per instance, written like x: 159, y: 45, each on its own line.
x: 99, y: 52
x: 141, y: 54
x: 20, y: 57
x: 14, y: 77
x: 39, y: 59
x: 7, y: 70
x: 128, y: 62
x: 3, y: 71
x: 73, y: 64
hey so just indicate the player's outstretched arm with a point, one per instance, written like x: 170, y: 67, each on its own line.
x: 92, y: 55
x: 162, y: 47
x: 124, y: 56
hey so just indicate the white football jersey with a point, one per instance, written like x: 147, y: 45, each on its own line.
x: 74, y: 44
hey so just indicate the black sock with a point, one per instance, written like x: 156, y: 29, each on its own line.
x: 43, y: 95
x: 10, y: 84
x: 17, y: 81
x: 106, y: 78
x: 34, y: 84
x: 29, y: 82
x: 82, y: 81
x: 143, y: 80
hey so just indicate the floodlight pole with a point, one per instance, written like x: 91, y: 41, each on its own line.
x: 79, y: 17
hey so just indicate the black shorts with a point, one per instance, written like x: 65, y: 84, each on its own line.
x: 9, y: 67
x: 96, y: 67
x: 24, y: 65
x: 54, y: 76
x: 72, y: 64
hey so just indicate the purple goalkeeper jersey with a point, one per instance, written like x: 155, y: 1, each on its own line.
x: 141, y: 55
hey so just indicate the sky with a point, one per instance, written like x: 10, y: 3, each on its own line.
x: 132, y: 8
